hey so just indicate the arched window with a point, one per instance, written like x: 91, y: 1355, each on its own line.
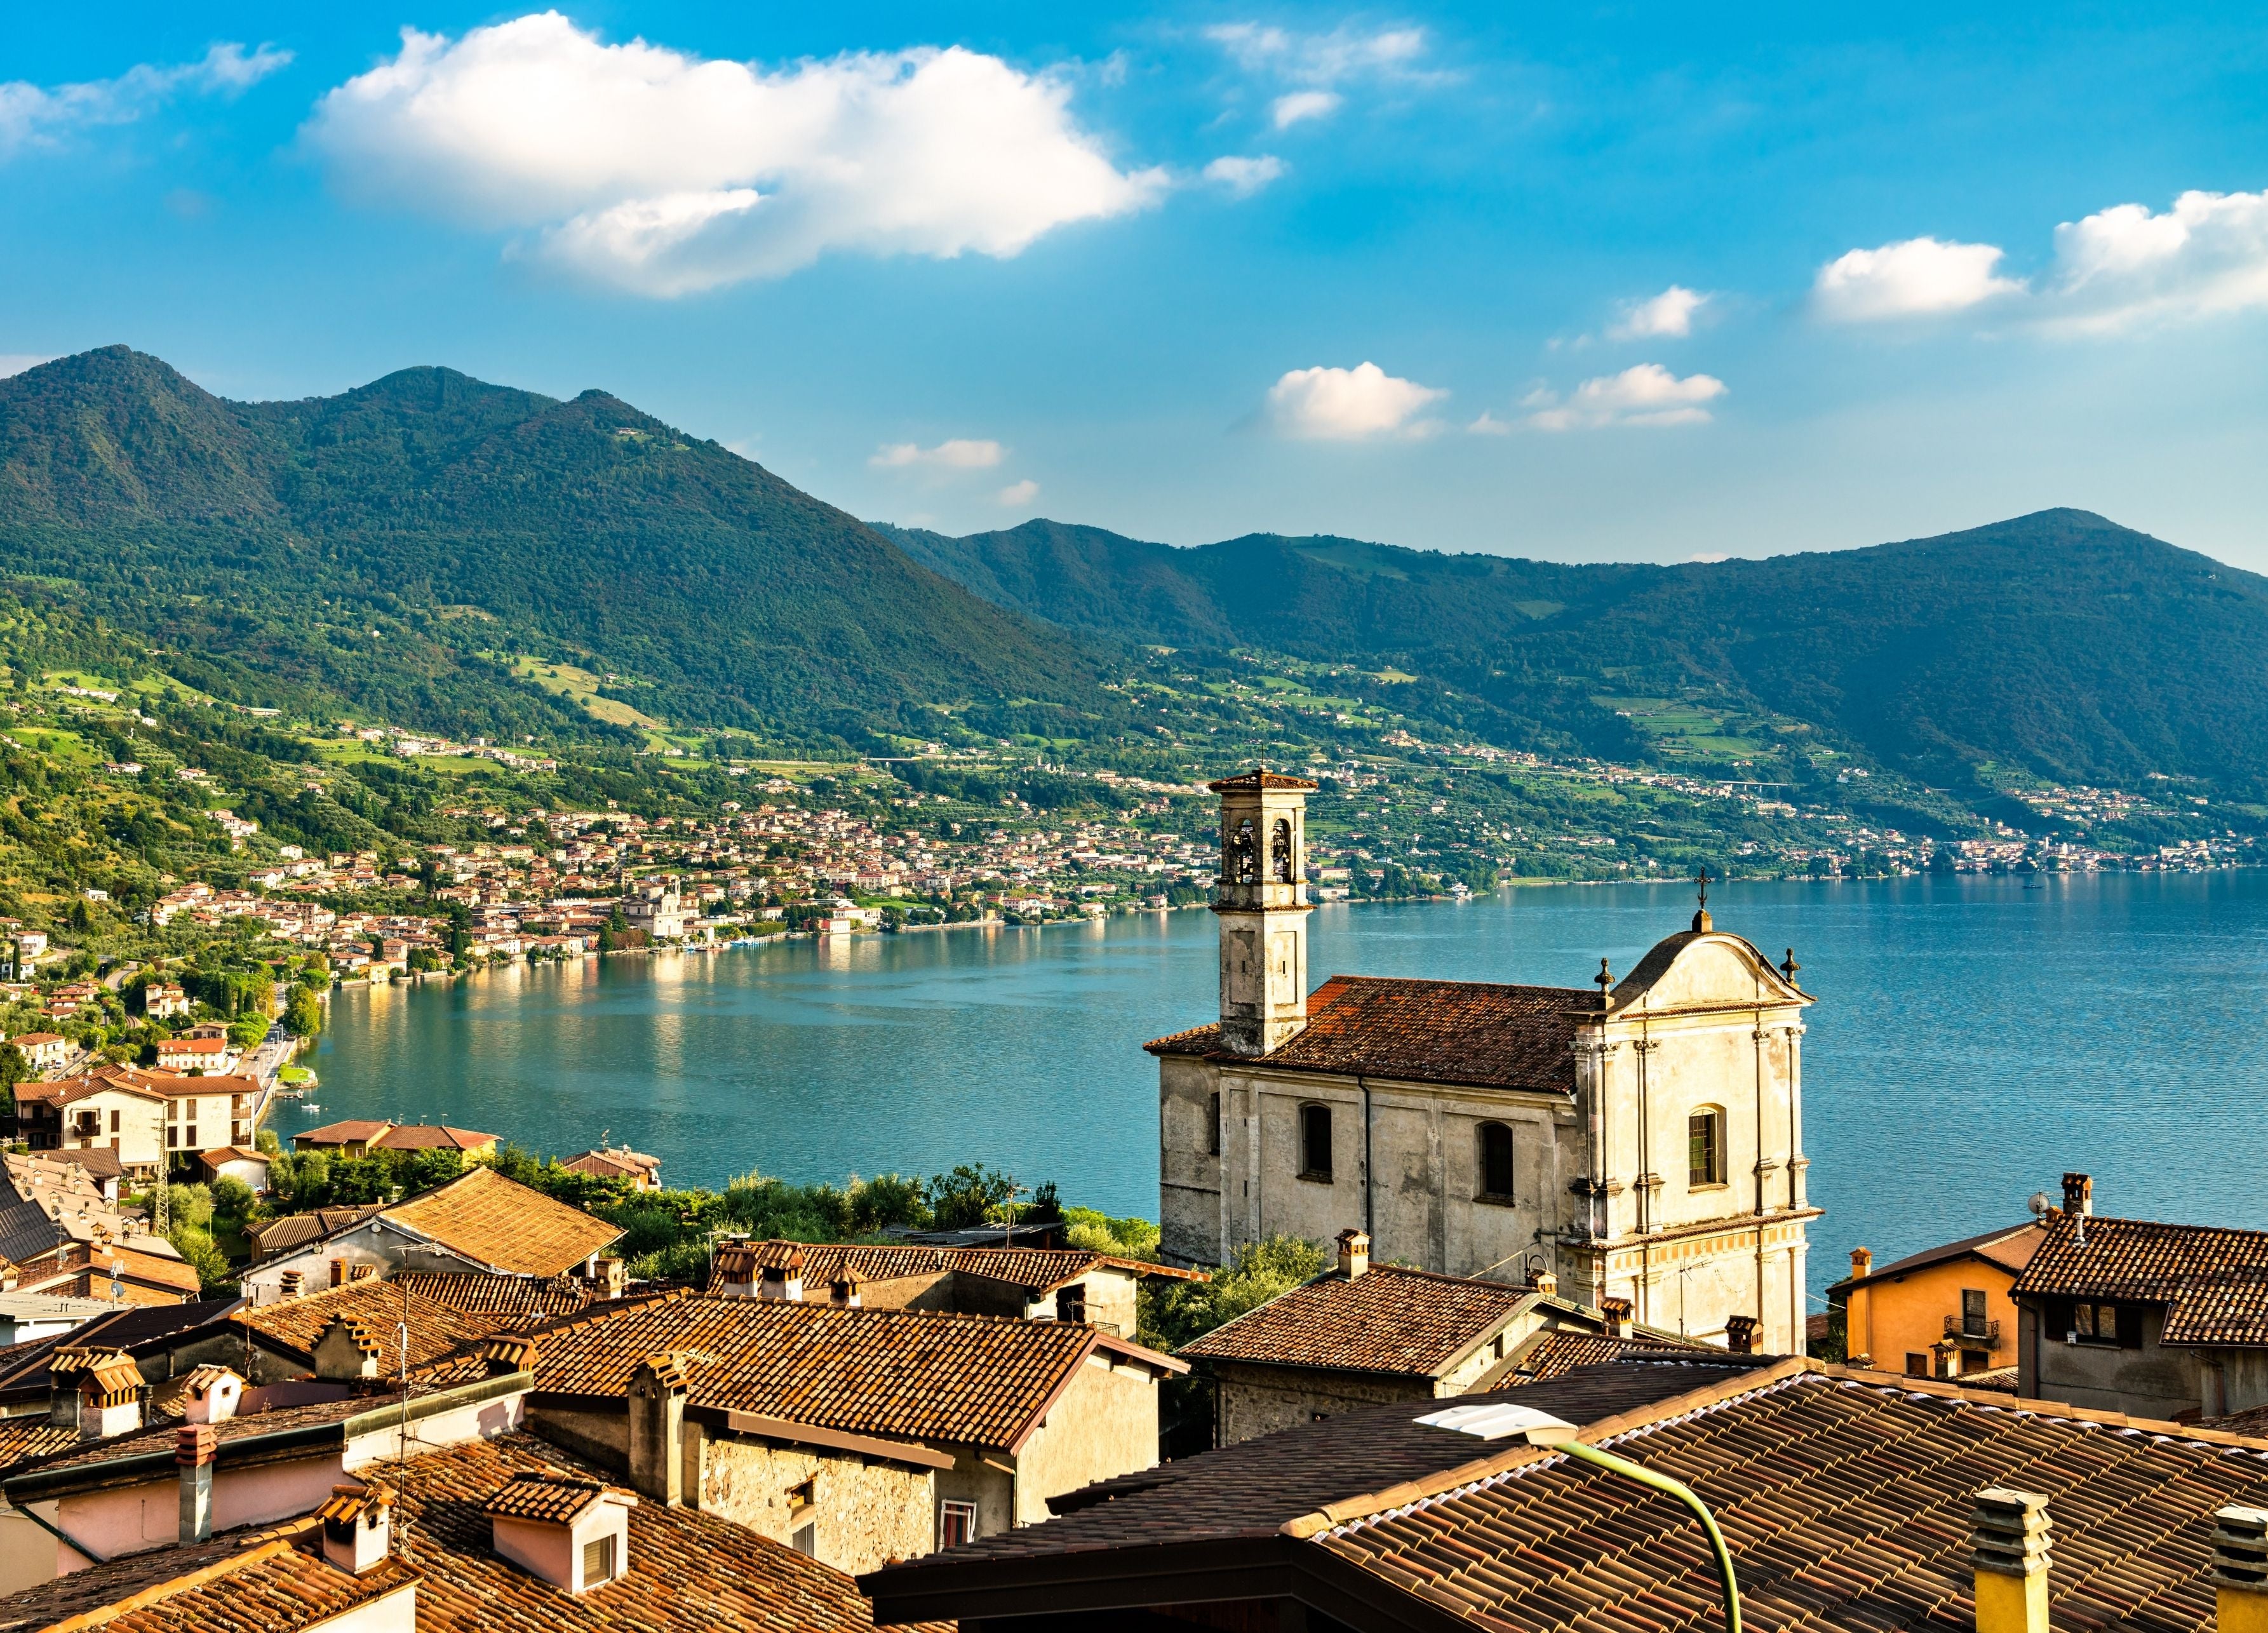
x: 1315, y: 1142
x: 1243, y: 857
x: 1704, y: 1147
x: 1280, y: 851
x: 1495, y: 1141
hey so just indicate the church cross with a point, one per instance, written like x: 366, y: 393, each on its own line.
x: 1702, y: 879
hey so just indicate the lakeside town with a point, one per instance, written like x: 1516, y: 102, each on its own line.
x: 420, y: 1367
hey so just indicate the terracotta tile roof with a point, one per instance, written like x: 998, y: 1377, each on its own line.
x: 2010, y: 1247
x: 276, y: 1588
x: 1555, y: 1354
x: 438, y: 1328
x: 433, y: 1136
x: 88, y: 1593
x: 156, y: 1269
x: 354, y: 1131
x: 549, y: 1495
x: 138, y: 1329
x: 24, y: 1438
x: 296, y: 1230
x: 1387, y: 1320
x: 961, y: 1380
x: 1846, y: 1499
x: 500, y: 1223
x: 2212, y: 1280
x: 160, y: 1436
x: 1427, y: 1030
x: 1036, y: 1270
x: 532, y: 1296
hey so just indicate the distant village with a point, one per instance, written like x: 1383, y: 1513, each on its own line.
x: 1563, y: 1372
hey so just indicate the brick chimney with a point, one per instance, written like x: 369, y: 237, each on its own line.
x: 783, y: 1282
x: 2240, y: 1569
x: 656, y: 1397
x: 1618, y: 1312
x: 1354, y: 1253
x: 347, y: 1348
x: 2009, y: 1541
x: 2078, y: 1195
x: 1741, y: 1334
x: 1862, y: 1263
x: 195, y: 1447
x: 211, y: 1395
x: 843, y: 1292
x: 1545, y: 1283
x: 357, y: 1527
x: 504, y: 1356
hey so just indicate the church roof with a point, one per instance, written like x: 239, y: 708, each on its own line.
x: 1258, y: 779
x: 1465, y: 1032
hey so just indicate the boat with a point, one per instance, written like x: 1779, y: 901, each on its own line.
x: 309, y: 1106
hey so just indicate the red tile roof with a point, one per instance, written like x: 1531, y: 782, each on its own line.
x: 1036, y: 1270
x: 1387, y: 1320
x: 1555, y: 1354
x: 415, y: 1137
x: 500, y: 1223
x: 2010, y: 1248
x: 961, y: 1380
x: 354, y: 1131
x: 2212, y: 1280
x: 438, y: 1328
x: 1466, y: 1032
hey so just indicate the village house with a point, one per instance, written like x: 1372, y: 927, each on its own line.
x: 639, y: 1170
x: 1646, y: 1138
x: 1943, y: 1312
x: 60, y: 1235
x: 163, y: 1001
x: 164, y: 1342
x: 96, y: 1112
x: 360, y: 1138
x: 480, y: 1221
x: 444, y: 1313
x: 854, y: 1434
x: 1362, y: 1332
x: 244, y: 1163
x: 1039, y: 1284
x: 2131, y: 1316
x: 351, y: 1138
x: 44, y: 1051
x: 210, y: 1057
x: 1846, y: 1499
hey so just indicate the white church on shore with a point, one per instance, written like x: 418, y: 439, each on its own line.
x: 1642, y: 1141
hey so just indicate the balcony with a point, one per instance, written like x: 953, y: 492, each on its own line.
x: 1972, y: 1331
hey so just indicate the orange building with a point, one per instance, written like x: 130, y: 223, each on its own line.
x: 1940, y: 1314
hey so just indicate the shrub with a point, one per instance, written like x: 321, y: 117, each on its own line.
x: 1176, y: 1312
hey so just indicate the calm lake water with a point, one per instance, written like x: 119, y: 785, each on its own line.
x: 1973, y: 1040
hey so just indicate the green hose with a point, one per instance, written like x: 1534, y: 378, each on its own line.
x: 1664, y: 1484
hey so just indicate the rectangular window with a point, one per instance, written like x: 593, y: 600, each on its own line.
x: 1974, y: 1361
x: 1972, y: 1309
x: 114, y: 1122
x: 598, y: 1561
x: 193, y: 1136
x: 1071, y: 1303
x: 1703, y: 1150
x: 956, y: 1523
x: 1917, y: 1364
x: 173, y: 1139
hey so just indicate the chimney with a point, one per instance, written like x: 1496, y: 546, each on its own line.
x: 612, y: 1279
x: 1740, y: 1332
x: 2240, y: 1569
x: 1545, y: 1283
x: 2009, y: 1549
x: 1354, y: 1253
x: 843, y: 1292
x: 1618, y: 1312
x: 783, y: 1283
x: 656, y: 1398
x: 195, y: 1447
x: 357, y: 1527
x: 211, y: 1395
x: 347, y: 1348
x: 2078, y: 1195
x: 508, y: 1355
x: 736, y: 1273
x: 64, y: 1369
x: 109, y: 1397
x: 287, y: 1285
x: 1862, y: 1263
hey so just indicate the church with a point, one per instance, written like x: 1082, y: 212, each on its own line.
x: 1642, y: 1141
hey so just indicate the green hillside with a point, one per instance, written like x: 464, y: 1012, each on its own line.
x: 2059, y: 644
x: 398, y: 547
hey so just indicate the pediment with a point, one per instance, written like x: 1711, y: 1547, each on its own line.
x: 1703, y: 970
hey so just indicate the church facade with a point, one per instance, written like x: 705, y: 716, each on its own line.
x: 1642, y: 1141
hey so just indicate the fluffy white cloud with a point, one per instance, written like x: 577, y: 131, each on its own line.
x: 1244, y: 177
x: 1019, y: 492
x: 1647, y: 394
x: 1348, y: 405
x: 2120, y: 267
x: 1287, y: 111
x: 664, y: 172
x: 1666, y: 316
x: 34, y: 114
x: 1320, y: 59
x: 959, y: 453
x: 1920, y: 277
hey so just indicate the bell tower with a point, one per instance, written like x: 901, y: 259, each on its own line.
x: 1263, y: 904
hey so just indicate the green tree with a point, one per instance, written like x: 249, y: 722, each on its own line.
x: 189, y: 1204
x: 1175, y: 1313
x: 203, y: 1255
x: 969, y: 1195
x: 426, y: 1169
x: 302, y: 1013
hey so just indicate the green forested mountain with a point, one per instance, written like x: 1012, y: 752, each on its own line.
x: 398, y: 546
x: 2059, y: 642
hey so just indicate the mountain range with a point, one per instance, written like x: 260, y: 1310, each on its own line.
x: 402, y: 547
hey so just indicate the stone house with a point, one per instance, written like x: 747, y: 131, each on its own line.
x: 2131, y: 1316
x: 1362, y: 1332
x: 478, y: 1222
x: 853, y: 1434
x: 1942, y: 1313
x: 1643, y: 1142
x: 1039, y: 1284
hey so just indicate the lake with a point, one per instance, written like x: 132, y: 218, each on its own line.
x: 1973, y: 1040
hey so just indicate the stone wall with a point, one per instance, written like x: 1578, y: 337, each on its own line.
x: 861, y: 1514
x: 1261, y: 1399
x: 1105, y: 1424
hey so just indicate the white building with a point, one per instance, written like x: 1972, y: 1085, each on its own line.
x: 1643, y: 1142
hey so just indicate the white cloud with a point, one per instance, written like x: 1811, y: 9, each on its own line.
x: 1920, y: 277
x: 1320, y: 59
x: 1244, y: 177
x: 37, y: 116
x: 2204, y: 257
x: 664, y: 173
x: 1348, y: 405
x: 1289, y: 110
x: 1489, y: 425
x: 1647, y: 394
x: 1666, y: 316
x: 17, y: 362
x: 1019, y: 492
x: 960, y: 454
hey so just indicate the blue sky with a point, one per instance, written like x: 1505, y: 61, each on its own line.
x: 1602, y: 282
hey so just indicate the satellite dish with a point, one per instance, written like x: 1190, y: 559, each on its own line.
x: 2041, y: 1205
